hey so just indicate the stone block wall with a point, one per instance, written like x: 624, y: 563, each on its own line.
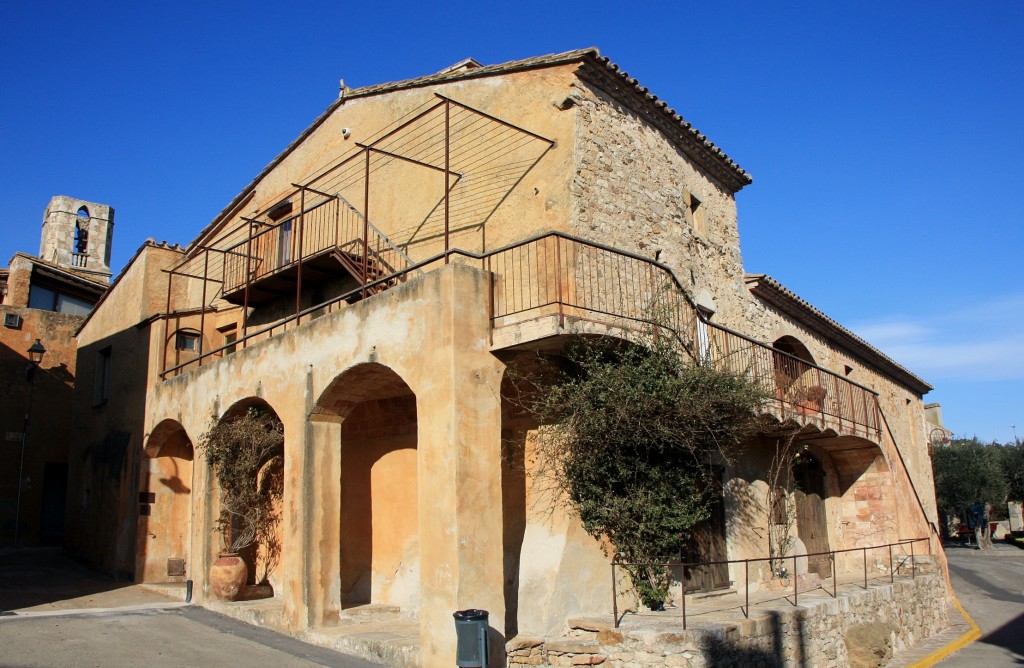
x: 859, y: 628
x: 634, y: 189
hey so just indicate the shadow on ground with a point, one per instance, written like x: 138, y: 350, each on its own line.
x: 1009, y: 636
x: 31, y: 577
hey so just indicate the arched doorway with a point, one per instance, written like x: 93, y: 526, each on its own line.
x: 378, y: 519
x: 796, y: 381
x: 165, y: 505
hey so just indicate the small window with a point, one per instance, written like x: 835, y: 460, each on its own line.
x: 230, y: 334
x: 42, y: 298
x: 696, y: 215
x: 187, y: 341
x: 101, y: 387
x: 12, y: 320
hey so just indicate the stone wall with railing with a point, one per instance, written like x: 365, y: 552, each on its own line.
x: 862, y: 627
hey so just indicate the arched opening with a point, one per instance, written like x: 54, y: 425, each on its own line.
x: 866, y: 491
x: 795, y: 380
x: 379, y: 544
x: 82, y: 230
x: 252, y: 436
x: 165, y: 505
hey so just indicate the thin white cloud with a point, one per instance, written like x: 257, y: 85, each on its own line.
x: 976, y: 342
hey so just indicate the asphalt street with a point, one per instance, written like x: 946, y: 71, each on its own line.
x: 55, y: 612
x: 154, y: 638
x: 990, y: 586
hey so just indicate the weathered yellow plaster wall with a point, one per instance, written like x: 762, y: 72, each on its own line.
x: 433, y: 333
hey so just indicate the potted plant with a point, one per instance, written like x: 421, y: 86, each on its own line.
x: 246, y: 455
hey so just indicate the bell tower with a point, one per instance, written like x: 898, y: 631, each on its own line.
x: 77, y: 235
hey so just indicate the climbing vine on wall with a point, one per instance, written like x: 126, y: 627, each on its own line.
x: 633, y: 433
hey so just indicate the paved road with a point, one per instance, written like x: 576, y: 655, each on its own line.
x: 990, y: 585
x: 55, y: 613
x: 168, y: 638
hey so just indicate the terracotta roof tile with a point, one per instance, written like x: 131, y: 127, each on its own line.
x: 770, y: 290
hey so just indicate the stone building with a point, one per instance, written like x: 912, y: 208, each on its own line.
x: 44, y: 299
x: 371, y: 287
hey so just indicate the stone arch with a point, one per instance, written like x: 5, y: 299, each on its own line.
x: 795, y: 380
x: 165, y: 505
x: 264, y: 556
x: 866, y: 491
x: 552, y: 567
x: 378, y: 521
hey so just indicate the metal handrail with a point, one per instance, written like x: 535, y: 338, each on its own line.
x: 726, y: 335
x: 745, y: 608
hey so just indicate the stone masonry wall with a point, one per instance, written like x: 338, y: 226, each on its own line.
x: 860, y: 628
x: 633, y: 190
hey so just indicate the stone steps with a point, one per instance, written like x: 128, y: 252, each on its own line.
x: 375, y: 632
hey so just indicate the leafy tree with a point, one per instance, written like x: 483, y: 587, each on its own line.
x: 634, y: 433
x: 968, y: 472
x: 1012, y: 459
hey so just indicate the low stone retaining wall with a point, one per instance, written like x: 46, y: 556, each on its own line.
x: 859, y: 628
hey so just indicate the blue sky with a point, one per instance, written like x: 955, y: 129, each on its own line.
x: 883, y: 137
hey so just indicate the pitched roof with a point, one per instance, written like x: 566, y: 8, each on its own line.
x: 771, y: 291
x: 696, y: 145
x: 44, y: 267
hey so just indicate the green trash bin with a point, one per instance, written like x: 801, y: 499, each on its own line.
x: 471, y: 632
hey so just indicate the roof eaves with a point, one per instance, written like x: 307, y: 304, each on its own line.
x: 145, y: 244
x: 770, y: 290
x: 700, y: 147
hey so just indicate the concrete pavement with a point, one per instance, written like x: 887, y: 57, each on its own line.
x: 54, y: 612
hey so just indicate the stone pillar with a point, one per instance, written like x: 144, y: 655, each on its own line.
x: 459, y: 411
x: 322, y: 522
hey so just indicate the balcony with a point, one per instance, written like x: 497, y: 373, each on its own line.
x: 311, y: 246
x: 545, y: 286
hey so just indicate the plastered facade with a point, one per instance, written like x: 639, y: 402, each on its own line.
x: 396, y: 489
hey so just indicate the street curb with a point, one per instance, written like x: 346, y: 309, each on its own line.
x: 11, y: 616
x: 958, y: 644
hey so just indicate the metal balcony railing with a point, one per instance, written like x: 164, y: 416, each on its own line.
x: 555, y: 274
x: 332, y: 225
x: 575, y: 278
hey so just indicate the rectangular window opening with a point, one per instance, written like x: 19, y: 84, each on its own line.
x: 101, y: 388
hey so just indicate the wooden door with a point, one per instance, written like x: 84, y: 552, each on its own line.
x: 811, y: 522
x: 707, y: 543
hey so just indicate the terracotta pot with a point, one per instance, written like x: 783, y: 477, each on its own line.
x: 227, y: 576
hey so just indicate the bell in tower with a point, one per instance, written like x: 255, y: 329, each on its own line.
x: 77, y: 235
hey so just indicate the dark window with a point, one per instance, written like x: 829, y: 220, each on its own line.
x: 187, y: 341
x: 101, y: 388
x: 42, y: 298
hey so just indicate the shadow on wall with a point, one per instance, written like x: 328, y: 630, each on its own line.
x: 724, y: 654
